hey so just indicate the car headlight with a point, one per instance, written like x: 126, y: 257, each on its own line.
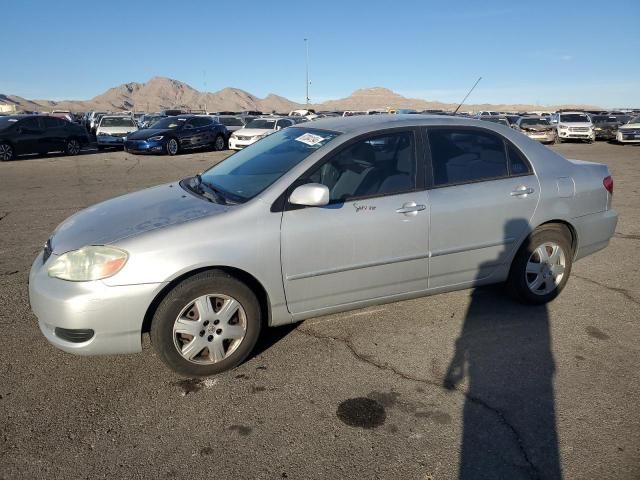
x: 564, y: 127
x: 93, y: 262
x: 597, y: 128
x: 157, y: 138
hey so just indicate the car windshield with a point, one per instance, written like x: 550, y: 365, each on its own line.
x: 534, y: 122
x: 7, y: 121
x: 574, y: 118
x: 635, y: 120
x: 116, y: 122
x: 261, y: 123
x: 248, y: 172
x: 170, y: 123
x: 231, y: 121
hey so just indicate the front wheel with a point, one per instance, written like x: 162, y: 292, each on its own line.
x: 219, y: 143
x: 72, y: 147
x: 542, y: 266
x: 206, y: 325
x: 6, y: 152
x: 172, y: 146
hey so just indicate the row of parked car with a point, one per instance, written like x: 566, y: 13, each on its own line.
x: 172, y: 131
x: 618, y: 127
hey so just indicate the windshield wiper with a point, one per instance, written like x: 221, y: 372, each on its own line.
x: 207, y: 189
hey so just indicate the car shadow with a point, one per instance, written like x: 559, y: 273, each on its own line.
x: 504, y: 357
x: 269, y: 337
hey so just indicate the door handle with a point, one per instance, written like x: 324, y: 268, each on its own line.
x: 411, y: 208
x: 522, y: 191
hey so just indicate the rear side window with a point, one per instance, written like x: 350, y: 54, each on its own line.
x: 518, y: 165
x: 50, y: 122
x: 466, y: 155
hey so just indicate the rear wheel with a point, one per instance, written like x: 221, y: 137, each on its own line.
x: 542, y: 266
x: 72, y: 147
x: 207, y: 324
x: 172, y: 146
x: 6, y: 152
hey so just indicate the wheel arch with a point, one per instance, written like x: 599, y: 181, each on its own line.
x: 248, y: 279
x: 573, y: 234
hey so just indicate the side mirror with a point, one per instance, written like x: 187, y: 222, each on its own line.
x: 310, y: 195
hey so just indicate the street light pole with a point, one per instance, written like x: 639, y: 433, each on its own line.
x: 306, y: 44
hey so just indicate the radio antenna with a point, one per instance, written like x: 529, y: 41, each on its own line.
x: 467, y: 95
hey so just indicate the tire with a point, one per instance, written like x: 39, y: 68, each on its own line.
x: 6, y: 152
x: 101, y: 148
x: 521, y: 283
x: 558, y: 140
x: 219, y: 143
x: 172, y: 147
x: 214, y: 291
x: 72, y: 147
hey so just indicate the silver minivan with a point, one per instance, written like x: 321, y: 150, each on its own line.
x: 321, y: 217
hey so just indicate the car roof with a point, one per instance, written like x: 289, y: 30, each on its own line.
x: 366, y: 123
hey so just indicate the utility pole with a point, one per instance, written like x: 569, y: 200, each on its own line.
x: 306, y: 44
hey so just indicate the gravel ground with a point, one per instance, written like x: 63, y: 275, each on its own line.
x: 466, y: 384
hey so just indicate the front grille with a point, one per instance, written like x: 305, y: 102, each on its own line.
x: 630, y: 132
x: 74, y: 335
x: 579, y: 129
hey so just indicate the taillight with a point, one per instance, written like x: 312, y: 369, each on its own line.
x: 608, y: 184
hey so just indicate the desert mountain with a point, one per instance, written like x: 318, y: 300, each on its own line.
x: 160, y: 93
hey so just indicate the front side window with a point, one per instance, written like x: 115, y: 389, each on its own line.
x: 30, y: 124
x: 248, y: 172
x: 466, y: 155
x: 377, y: 166
x: 202, y: 121
x: 51, y: 122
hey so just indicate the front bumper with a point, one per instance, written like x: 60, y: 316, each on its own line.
x: 577, y: 135
x: 626, y: 137
x: 235, y: 144
x: 544, y: 137
x: 144, y: 146
x: 114, y: 314
x: 109, y: 140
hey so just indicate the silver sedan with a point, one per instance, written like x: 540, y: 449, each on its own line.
x: 322, y: 217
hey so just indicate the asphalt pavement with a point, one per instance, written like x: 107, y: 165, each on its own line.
x: 461, y: 385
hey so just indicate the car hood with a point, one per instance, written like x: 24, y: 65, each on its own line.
x: 576, y: 124
x: 129, y: 215
x: 148, y: 133
x: 252, y: 132
x: 537, y: 128
x: 633, y: 126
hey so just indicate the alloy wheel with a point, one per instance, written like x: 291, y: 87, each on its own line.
x: 73, y: 147
x: 209, y: 329
x: 545, y: 268
x: 172, y: 146
x: 6, y: 152
x: 219, y: 145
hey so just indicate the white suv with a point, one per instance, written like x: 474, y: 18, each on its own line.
x: 574, y: 125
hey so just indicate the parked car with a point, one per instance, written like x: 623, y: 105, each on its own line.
x: 486, y: 113
x: 171, y: 135
x: 537, y: 128
x: 256, y: 129
x: 629, y: 132
x: 232, y: 122
x: 605, y: 126
x: 113, y: 129
x: 574, y: 125
x: 495, y: 119
x: 22, y: 134
x: 322, y: 217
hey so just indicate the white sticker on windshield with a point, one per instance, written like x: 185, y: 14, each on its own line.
x: 310, y: 139
x: 12, y: 120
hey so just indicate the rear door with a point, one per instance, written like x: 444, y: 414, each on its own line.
x: 54, y: 133
x: 483, y: 196
x: 30, y: 136
x: 371, y: 241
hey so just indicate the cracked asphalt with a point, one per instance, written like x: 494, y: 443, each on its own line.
x: 460, y: 385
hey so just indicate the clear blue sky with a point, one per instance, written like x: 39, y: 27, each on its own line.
x: 526, y: 51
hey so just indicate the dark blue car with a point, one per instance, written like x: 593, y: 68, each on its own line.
x: 174, y: 134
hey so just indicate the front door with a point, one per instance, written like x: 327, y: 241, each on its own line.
x: 483, y: 198
x: 371, y: 241
x: 30, y: 138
